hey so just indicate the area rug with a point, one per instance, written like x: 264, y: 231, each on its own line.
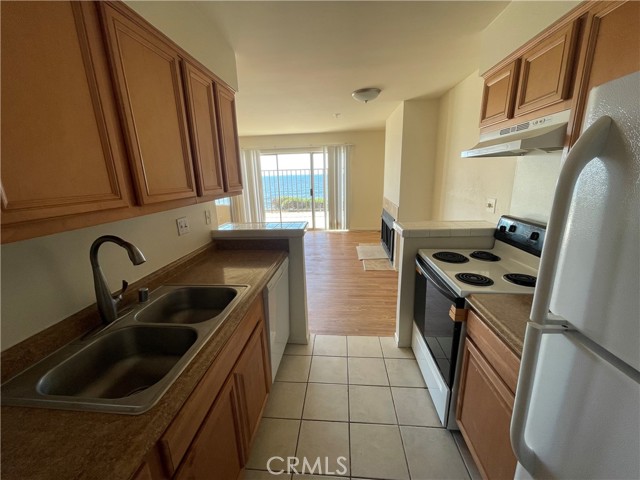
x: 367, y: 252
x: 377, y: 264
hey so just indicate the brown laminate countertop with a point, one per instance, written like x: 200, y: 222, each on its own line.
x: 40, y: 443
x: 506, y: 314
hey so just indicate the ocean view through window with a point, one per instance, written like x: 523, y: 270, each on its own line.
x: 292, y: 185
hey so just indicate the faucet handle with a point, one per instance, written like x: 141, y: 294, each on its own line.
x: 125, y: 285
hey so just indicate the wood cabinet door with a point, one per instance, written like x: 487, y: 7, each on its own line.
x: 484, y: 409
x: 253, y: 380
x: 147, y: 76
x: 62, y: 150
x: 498, y: 95
x: 546, y: 71
x: 216, y: 451
x: 201, y: 109
x: 612, y: 51
x: 228, y: 129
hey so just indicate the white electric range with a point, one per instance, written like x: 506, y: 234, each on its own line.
x: 444, y: 277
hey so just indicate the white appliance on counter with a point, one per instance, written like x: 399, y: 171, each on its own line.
x: 276, y: 298
x: 577, y: 407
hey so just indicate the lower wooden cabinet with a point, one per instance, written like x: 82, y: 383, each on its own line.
x: 216, y: 452
x: 212, y: 434
x: 252, y: 383
x: 485, y: 400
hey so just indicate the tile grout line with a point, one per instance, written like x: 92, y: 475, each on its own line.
x: 464, y: 462
x: 404, y: 450
x: 304, y: 402
x: 349, y: 410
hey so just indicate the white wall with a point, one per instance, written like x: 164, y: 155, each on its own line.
x: 534, y: 185
x: 463, y: 184
x: 47, y: 279
x: 410, y: 158
x: 193, y: 28
x: 419, y: 139
x: 366, y: 168
x: 393, y: 154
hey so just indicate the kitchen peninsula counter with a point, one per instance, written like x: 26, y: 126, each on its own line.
x: 506, y: 314
x: 47, y: 443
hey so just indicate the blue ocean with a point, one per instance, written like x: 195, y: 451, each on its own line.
x: 290, y: 185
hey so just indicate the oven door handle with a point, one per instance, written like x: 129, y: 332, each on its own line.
x: 440, y: 286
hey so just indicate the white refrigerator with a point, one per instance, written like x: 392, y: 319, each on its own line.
x: 577, y: 408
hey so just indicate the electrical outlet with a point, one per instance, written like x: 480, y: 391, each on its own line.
x: 490, y: 205
x: 183, y: 225
x: 207, y: 216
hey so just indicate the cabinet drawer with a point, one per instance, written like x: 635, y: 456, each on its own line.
x: 499, y: 356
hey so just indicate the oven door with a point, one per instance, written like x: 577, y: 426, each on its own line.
x: 433, y: 300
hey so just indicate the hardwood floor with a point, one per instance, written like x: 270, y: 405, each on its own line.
x: 343, y: 298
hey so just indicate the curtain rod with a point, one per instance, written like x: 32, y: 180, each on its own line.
x: 301, y: 147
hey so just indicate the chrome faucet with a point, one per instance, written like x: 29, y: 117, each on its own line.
x: 108, y: 303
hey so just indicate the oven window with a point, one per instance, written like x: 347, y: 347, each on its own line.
x: 431, y: 315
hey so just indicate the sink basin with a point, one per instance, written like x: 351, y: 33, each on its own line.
x: 188, y: 305
x: 119, y: 364
x: 131, y: 363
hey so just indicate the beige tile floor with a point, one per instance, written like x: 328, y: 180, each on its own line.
x: 360, y: 398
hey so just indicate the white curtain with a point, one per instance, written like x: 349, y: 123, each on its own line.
x: 337, y: 158
x: 249, y: 207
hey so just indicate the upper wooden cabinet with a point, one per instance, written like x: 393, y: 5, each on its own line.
x: 535, y: 80
x: 62, y: 150
x: 228, y: 128
x: 611, y: 51
x: 201, y: 107
x: 498, y: 95
x: 545, y: 73
x: 147, y: 76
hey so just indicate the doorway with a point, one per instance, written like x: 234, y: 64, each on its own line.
x: 294, y: 186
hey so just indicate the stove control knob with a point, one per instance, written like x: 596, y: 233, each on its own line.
x: 534, y: 236
x: 512, y: 228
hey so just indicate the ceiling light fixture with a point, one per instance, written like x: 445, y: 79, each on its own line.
x: 365, y: 95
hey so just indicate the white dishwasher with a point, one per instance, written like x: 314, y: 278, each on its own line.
x: 277, y: 307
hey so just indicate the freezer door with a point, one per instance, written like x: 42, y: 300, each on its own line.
x: 584, y: 414
x: 598, y: 273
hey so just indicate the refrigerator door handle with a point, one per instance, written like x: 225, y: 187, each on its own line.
x: 588, y: 146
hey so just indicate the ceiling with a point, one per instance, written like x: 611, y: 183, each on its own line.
x: 299, y: 61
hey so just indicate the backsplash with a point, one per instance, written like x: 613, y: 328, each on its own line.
x: 534, y: 185
x: 47, y: 279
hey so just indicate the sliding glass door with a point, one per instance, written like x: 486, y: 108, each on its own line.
x: 293, y: 185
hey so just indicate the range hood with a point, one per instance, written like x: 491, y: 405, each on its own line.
x: 542, y: 135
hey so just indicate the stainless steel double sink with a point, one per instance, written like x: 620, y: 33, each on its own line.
x: 130, y: 364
